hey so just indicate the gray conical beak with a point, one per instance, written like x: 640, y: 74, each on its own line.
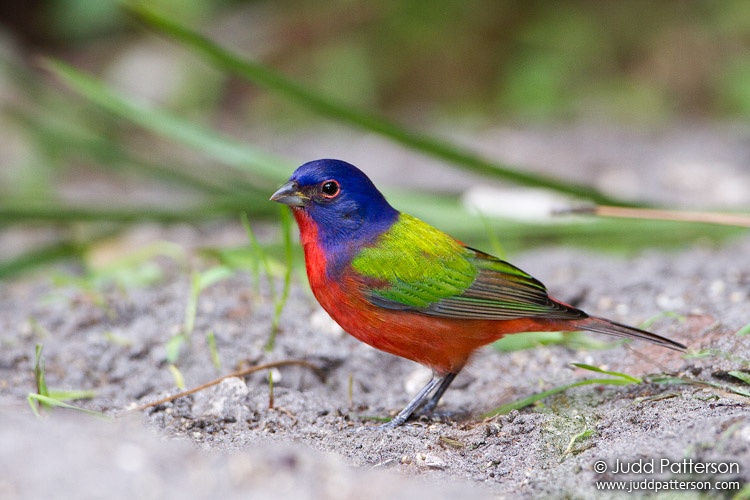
x: 289, y: 194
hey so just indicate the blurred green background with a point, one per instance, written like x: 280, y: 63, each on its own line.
x: 141, y: 124
x: 636, y: 60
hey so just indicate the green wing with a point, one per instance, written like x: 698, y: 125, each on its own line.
x: 413, y: 266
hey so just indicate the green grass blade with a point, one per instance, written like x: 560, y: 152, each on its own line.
x: 532, y: 340
x: 233, y: 153
x: 528, y: 401
x: 39, y: 375
x: 179, y: 380
x: 280, y: 301
x: 596, y: 369
x: 744, y: 376
x: 213, y: 350
x: 669, y: 379
x: 174, y: 346
x: 275, y: 82
x: 261, y: 256
x: 15, y: 213
x: 39, y: 257
x: 52, y: 402
x: 68, y: 139
x: 71, y: 395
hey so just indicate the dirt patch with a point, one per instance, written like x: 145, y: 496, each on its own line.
x: 226, y: 442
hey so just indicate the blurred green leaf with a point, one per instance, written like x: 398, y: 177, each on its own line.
x: 744, y: 376
x: 528, y: 401
x: 531, y: 340
x: 596, y: 369
x: 53, y: 402
x: 273, y: 81
x: 269, y: 169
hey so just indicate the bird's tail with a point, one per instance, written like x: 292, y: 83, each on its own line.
x: 601, y: 325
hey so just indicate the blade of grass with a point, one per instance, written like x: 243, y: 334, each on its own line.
x: 261, y: 257
x: 239, y: 373
x: 48, y: 399
x: 80, y: 140
x: 71, y: 395
x: 268, y: 168
x: 174, y: 346
x: 179, y: 380
x: 135, y: 268
x: 532, y: 340
x: 39, y: 257
x: 39, y: 376
x: 596, y: 369
x: 528, y: 401
x: 199, y: 281
x: 270, y: 389
x: 743, y: 376
x: 35, y: 399
x: 14, y: 213
x: 581, y: 436
x: 620, y: 379
x: 671, y: 379
x: 707, y: 353
x: 211, y: 341
x: 275, y: 82
x: 280, y: 301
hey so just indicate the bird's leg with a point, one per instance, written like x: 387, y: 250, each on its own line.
x: 441, y: 383
x: 432, y: 403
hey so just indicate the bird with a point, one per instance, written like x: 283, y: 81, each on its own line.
x: 405, y: 287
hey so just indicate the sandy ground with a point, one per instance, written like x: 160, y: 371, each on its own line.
x: 317, y: 442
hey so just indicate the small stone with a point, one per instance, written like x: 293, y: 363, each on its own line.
x: 604, y: 303
x: 417, y: 379
x: 275, y: 373
x: 225, y: 401
x: 431, y: 460
x: 668, y: 303
x: 716, y: 288
x: 321, y: 322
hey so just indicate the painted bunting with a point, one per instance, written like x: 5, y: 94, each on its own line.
x: 407, y: 288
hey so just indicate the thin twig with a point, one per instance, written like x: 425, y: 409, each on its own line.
x: 724, y: 219
x: 239, y: 374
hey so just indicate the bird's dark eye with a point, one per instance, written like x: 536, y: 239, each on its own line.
x: 330, y: 189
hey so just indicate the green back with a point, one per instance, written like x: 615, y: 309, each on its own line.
x: 414, y: 266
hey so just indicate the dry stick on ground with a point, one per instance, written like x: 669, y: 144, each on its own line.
x: 724, y: 219
x: 239, y: 373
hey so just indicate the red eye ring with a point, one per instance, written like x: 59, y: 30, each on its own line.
x: 330, y: 189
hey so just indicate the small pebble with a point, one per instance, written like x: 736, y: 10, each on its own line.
x: 431, y: 460
x: 604, y: 303
x: 417, y: 379
x: 717, y: 287
x: 321, y: 322
x: 668, y: 303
